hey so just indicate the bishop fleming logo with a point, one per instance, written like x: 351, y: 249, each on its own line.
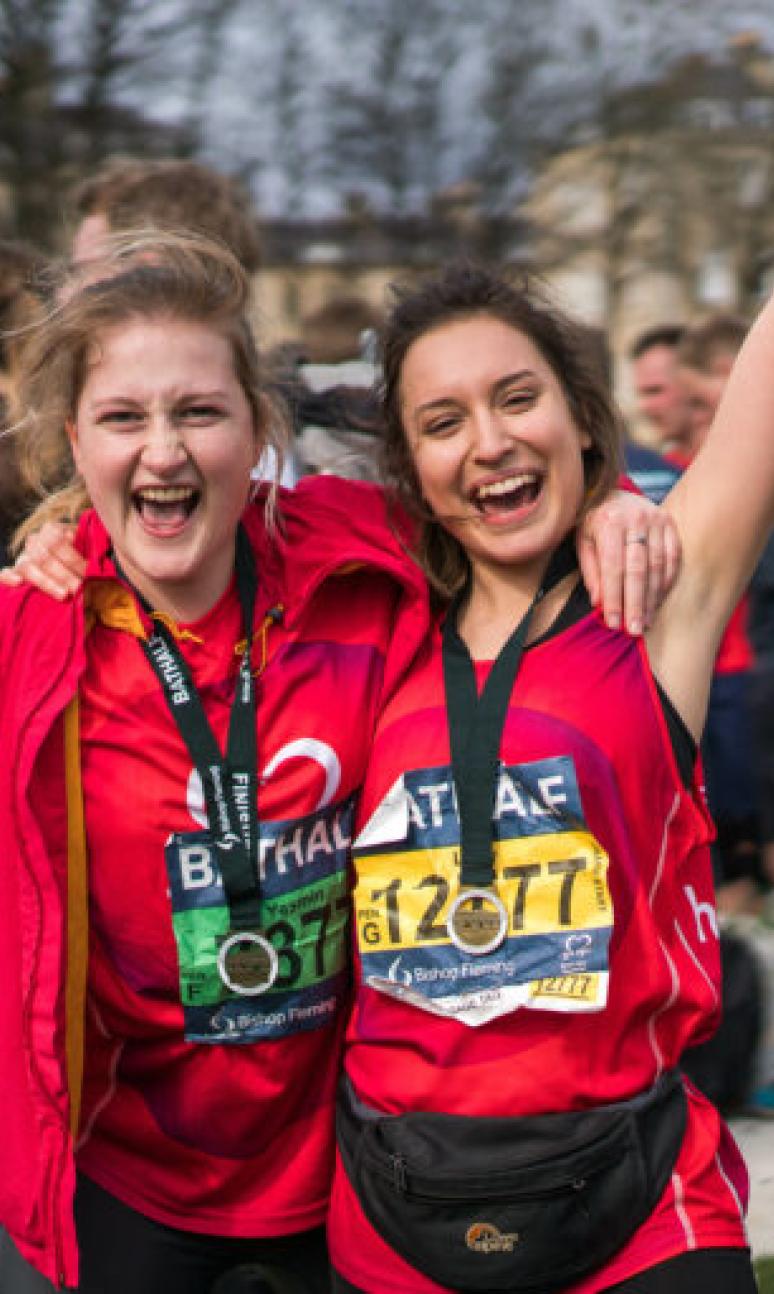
x: 398, y: 974
x: 485, y: 1238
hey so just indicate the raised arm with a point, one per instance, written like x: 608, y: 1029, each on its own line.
x: 723, y: 506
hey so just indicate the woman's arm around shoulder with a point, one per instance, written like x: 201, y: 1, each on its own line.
x: 50, y: 561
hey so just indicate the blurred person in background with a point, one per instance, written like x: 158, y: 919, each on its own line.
x: 653, y: 474
x: 761, y: 696
x: 706, y: 356
x: 21, y: 285
x: 336, y: 413
x: 660, y: 397
x: 342, y: 332
x: 167, y: 193
x: 739, y: 762
x: 761, y: 700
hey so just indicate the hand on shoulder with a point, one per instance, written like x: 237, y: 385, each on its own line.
x: 49, y: 561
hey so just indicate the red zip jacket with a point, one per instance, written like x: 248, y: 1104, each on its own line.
x: 328, y: 528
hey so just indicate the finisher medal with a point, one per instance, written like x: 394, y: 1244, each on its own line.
x: 247, y: 963
x: 477, y: 922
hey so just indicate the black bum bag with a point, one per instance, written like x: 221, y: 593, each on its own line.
x: 529, y: 1204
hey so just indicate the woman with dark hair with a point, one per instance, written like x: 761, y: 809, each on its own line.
x: 182, y: 744
x: 536, y: 941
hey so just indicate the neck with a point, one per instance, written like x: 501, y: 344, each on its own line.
x: 503, y: 590
x: 182, y: 601
x: 499, y: 598
x: 182, y: 608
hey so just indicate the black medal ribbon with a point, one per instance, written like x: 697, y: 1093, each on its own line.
x: 476, y: 723
x: 230, y: 781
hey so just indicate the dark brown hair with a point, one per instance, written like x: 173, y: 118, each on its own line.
x: 669, y: 335
x: 720, y: 336
x: 463, y: 291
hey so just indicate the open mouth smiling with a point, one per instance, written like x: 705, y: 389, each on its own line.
x: 509, y: 494
x: 167, y: 506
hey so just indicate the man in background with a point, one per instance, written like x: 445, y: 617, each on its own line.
x: 661, y: 398
x: 167, y: 193
x: 705, y: 356
x: 650, y: 471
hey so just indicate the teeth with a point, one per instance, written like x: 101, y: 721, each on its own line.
x: 166, y: 494
x: 507, y: 486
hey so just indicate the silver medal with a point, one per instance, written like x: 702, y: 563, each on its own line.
x: 247, y: 963
x: 477, y: 930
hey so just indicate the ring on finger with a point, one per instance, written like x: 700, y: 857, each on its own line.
x: 636, y: 539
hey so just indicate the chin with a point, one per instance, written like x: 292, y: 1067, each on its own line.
x: 172, y: 574
x: 524, y: 546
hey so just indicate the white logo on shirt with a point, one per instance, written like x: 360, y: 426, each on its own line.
x: 302, y: 748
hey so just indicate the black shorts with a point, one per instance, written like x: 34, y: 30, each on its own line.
x: 124, y: 1252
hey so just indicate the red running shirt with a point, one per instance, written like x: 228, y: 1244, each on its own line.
x: 233, y: 1136
x: 615, y: 960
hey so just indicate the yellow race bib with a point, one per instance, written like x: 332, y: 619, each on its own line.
x: 551, y: 877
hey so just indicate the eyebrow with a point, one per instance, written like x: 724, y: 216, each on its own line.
x: 499, y: 385
x: 106, y: 401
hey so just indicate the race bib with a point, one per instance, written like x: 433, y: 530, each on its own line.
x: 304, y: 923
x: 551, y: 876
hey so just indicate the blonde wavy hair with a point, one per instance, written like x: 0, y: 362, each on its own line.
x: 144, y: 275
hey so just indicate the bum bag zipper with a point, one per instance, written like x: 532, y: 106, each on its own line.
x: 399, y: 1178
x: 399, y: 1175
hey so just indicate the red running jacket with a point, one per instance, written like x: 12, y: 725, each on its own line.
x: 327, y: 528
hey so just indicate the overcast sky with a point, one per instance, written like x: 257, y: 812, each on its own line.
x: 243, y: 124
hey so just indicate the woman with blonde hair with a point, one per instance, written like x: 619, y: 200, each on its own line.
x: 183, y: 741
x: 181, y: 747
